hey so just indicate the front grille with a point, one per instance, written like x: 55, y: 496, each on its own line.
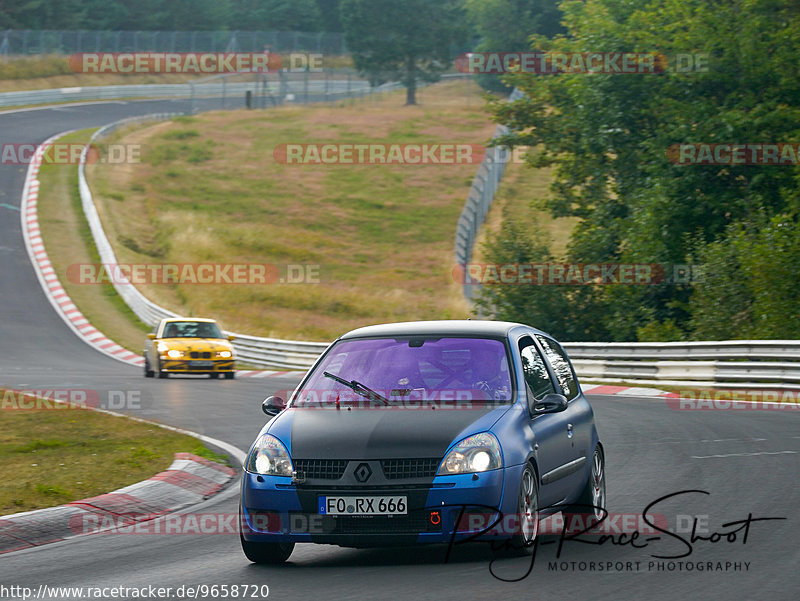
x: 394, y: 469
x: 323, y: 469
x: 413, y: 523
x: 199, y: 355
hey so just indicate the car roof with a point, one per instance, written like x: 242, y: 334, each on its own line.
x: 446, y: 327
x: 204, y: 319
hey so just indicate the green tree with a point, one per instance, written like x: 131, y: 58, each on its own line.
x: 507, y: 25
x: 275, y: 15
x: 406, y: 40
x: 607, y: 136
x: 750, y: 284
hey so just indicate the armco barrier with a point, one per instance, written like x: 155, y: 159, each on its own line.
x: 332, y: 88
x: 727, y: 363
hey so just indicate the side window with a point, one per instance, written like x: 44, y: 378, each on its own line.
x: 534, y: 369
x: 561, y: 367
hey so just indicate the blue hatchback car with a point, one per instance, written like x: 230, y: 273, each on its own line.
x: 423, y: 432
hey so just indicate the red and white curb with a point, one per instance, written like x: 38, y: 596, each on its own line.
x: 188, y: 480
x: 624, y: 390
x: 52, y: 287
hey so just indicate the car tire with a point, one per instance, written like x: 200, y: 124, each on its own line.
x: 213, y: 376
x: 148, y: 372
x: 162, y: 374
x: 264, y: 553
x: 593, y: 495
x: 522, y: 542
x: 229, y: 375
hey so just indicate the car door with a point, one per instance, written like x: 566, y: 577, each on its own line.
x: 578, y: 417
x: 553, y: 445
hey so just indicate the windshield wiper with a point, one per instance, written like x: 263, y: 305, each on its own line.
x: 357, y: 387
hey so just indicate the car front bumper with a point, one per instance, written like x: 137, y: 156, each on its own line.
x: 448, y: 509
x: 197, y: 366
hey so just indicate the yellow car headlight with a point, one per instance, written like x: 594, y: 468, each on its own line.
x: 224, y: 354
x: 173, y: 354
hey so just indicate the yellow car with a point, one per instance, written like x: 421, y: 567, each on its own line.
x: 188, y: 345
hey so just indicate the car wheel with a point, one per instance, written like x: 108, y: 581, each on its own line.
x: 213, y: 376
x: 264, y: 553
x: 522, y: 542
x: 592, y: 500
x: 162, y: 374
x: 148, y: 372
x: 229, y: 375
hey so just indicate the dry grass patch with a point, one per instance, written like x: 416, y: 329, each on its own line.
x: 210, y: 190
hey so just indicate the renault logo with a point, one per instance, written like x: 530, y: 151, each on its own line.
x: 363, y: 472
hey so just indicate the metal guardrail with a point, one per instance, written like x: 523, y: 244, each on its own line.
x: 300, y: 89
x: 479, y: 201
x: 728, y: 363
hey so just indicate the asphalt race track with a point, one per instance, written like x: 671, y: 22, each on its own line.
x: 747, y: 460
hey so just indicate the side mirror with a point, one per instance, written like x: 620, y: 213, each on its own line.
x: 151, y: 336
x: 551, y: 403
x: 231, y: 337
x: 273, y: 405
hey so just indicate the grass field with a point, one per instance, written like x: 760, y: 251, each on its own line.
x: 209, y: 189
x: 54, y: 456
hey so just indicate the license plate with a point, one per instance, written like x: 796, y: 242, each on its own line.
x: 201, y: 363
x: 363, y: 505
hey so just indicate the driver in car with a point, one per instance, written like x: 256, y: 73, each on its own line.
x: 488, y: 374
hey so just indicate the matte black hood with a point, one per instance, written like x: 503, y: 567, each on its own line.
x: 384, y: 433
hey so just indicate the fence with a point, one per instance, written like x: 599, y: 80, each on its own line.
x: 479, y: 201
x: 30, y: 42
x: 267, y: 89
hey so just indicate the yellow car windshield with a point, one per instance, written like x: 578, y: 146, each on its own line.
x: 191, y: 329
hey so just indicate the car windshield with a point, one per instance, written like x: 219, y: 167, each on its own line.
x: 416, y: 369
x: 191, y: 329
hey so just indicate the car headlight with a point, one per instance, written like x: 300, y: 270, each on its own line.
x: 476, y: 453
x: 224, y: 354
x: 173, y: 354
x: 270, y: 458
